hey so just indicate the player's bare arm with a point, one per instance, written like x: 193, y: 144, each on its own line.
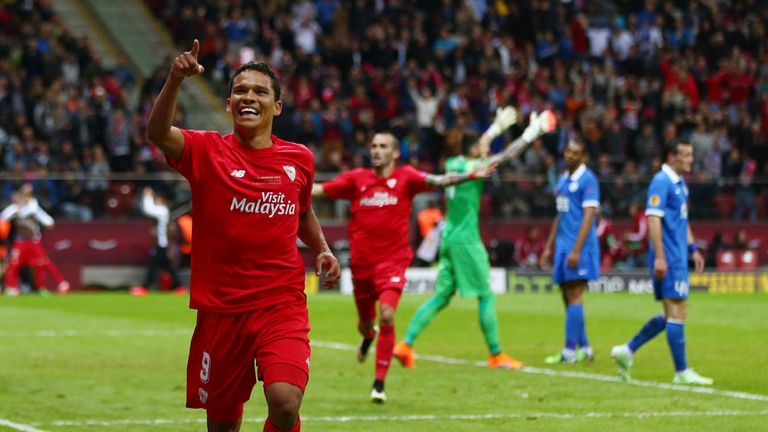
x: 318, y: 191
x: 482, y: 171
x: 547, y: 252
x: 160, y: 129
x: 660, y: 262
x: 586, y: 224
x: 698, y: 258
x: 540, y: 124
x: 312, y: 235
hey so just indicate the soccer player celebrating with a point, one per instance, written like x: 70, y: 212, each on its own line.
x: 27, y: 249
x: 671, y: 240
x: 247, y: 274
x: 378, y: 229
x: 464, y: 264
x: 577, y: 252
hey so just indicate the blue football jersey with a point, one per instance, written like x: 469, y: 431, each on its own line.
x: 668, y: 199
x: 574, y: 193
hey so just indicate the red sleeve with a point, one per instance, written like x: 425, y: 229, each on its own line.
x: 305, y: 195
x: 417, y: 180
x: 189, y: 164
x: 341, y: 187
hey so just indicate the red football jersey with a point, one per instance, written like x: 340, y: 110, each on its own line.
x: 380, y: 212
x: 246, y: 211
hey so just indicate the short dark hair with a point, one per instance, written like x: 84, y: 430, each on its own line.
x: 258, y: 67
x: 395, y: 139
x: 579, y: 143
x: 673, y: 146
x: 468, y: 141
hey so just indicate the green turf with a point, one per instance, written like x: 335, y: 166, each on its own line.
x: 124, y: 365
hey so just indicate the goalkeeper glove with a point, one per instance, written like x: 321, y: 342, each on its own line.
x: 539, y: 125
x: 505, y: 117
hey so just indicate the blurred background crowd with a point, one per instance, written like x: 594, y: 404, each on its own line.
x: 622, y: 75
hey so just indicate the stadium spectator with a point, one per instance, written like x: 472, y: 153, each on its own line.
x: 671, y: 241
x: 636, y: 240
x: 155, y: 206
x: 249, y: 287
x: 528, y: 249
x: 380, y: 210
x: 576, y: 249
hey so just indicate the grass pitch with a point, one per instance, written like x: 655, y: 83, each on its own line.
x: 89, y: 362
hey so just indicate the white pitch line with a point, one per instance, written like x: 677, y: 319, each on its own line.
x: 422, y: 417
x: 19, y: 426
x: 432, y: 358
x: 569, y: 374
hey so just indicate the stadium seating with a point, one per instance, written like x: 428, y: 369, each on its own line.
x: 726, y: 260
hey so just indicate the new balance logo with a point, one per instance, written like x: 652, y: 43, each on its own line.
x: 238, y: 173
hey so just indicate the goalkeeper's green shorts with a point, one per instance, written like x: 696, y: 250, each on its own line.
x: 463, y: 267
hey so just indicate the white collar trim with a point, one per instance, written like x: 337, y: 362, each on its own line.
x: 671, y: 173
x: 578, y: 173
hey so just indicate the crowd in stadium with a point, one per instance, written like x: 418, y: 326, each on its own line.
x: 624, y: 76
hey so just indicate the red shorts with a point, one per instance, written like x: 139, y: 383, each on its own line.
x: 383, y: 283
x: 224, y: 347
x: 28, y: 253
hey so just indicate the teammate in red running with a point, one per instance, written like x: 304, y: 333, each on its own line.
x: 247, y: 274
x: 378, y: 233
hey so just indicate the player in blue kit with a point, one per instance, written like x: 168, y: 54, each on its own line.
x: 671, y: 240
x: 577, y: 252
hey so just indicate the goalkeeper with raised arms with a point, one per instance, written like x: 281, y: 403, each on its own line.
x: 464, y: 264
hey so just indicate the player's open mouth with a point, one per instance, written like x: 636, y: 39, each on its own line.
x: 248, y: 112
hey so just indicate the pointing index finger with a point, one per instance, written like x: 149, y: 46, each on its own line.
x: 195, y: 48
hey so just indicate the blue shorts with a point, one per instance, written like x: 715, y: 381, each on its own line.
x: 675, y: 285
x: 588, y: 269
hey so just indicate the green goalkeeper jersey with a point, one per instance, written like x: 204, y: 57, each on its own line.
x: 462, y: 204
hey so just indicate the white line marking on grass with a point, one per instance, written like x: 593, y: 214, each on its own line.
x: 569, y: 374
x: 19, y: 426
x: 427, y: 357
x: 427, y: 417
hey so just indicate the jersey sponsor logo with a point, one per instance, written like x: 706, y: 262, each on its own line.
x: 654, y: 200
x: 379, y: 199
x: 270, y: 204
x: 684, y: 211
x: 238, y: 173
x: 290, y: 170
x: 391, y: 183
x: 563, y: 204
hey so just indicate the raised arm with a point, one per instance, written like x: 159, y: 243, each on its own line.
x: 539, y: 125
x: 160, y: 129
x: 9, y: 212
x: 505, y: 118
x: 482, y: 171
